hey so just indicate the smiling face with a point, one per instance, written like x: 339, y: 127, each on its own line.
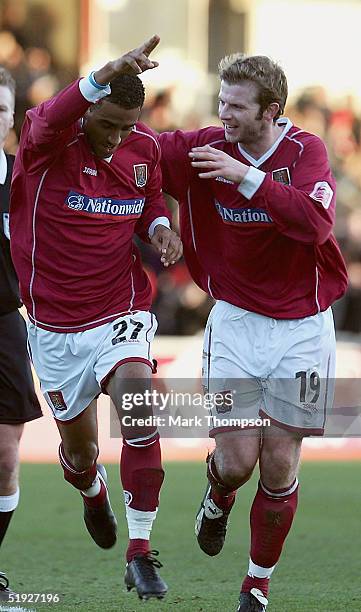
x: 6, y: 113
x: 107, y: 125
x: 240, y: 112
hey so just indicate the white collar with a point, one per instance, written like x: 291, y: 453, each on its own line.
x: 258, y: 162
x: 3, y: 167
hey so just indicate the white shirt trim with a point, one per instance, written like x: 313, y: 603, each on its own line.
x: 91, y: 93
x: 158, y: 221
x: 258, y: 162
x: 251, y: 182
x: 3, y: 167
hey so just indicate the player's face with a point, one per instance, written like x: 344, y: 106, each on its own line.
x: 6, y: 113
x: 107, y: 125
x: 240, y: 113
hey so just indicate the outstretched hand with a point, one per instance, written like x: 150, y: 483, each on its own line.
x: 137, y: 60
x: 132, y: 62
x: 168, y: 244
x: 213, y: 162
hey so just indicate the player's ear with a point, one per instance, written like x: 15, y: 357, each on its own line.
x: 93, y: 108
x: 271, y: 111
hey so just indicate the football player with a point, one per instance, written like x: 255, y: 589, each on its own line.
x: 257, y: 208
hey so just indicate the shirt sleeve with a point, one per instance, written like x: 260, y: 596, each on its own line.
x: 158, y: 221
x: 155, y: 208
x: 175, y: 162
x: 304, y: 210
x: 53, y: 124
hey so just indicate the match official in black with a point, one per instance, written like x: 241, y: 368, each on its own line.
x: 18, y: 400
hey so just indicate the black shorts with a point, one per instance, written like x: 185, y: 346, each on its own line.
x: 18, y: 400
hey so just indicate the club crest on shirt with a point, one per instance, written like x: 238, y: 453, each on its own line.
x: 140, y: 174
x: 282, y: 175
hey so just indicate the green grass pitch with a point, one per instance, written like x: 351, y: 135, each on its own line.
x: 47, y: 549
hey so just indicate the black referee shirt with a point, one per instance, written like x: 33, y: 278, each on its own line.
x: 9, y: 286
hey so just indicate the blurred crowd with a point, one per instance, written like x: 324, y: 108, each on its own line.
x: 180, y: 306
x: 26, y: 32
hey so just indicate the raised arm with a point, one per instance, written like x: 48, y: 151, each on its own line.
x: 52, y: 124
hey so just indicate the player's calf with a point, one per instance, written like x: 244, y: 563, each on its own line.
x: 98, y: 514
x: 272, y: 515
x: 142, y: 477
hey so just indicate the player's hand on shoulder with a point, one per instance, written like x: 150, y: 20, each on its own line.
x: 168, y: 244
x: 213, y: 162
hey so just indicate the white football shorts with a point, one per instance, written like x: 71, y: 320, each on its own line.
x: 73, y: 368
x: 281, y: 370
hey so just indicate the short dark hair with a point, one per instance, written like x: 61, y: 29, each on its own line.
x: 127, y: 91
x: 6, y: 80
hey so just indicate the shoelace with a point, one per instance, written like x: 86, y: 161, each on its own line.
x: 148, y: 563
x: 4, y: 582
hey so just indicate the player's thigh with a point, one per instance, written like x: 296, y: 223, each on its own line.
x: 300, y: 389
x: 129, y: 388
x: 225, y: 345
x: 131, y: 381
x: 127, y: 341
x: 237, y: 453
x: 64, y: 363
x: 80, y: 437
x: 228, y: 371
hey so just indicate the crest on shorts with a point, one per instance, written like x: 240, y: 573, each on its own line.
x: 226, y: 405
x: 56, y: 398
x: 282, y: 175
x: 140, y: 174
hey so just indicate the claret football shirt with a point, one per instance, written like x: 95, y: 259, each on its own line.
x: 265, y: 245
x: 73, y: 216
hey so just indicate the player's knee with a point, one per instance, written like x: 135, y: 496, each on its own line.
x: 236, y: 476
x: 278, y: 469
x: 82, y: 458
x: 8, y: 466
x: 235, y: 470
